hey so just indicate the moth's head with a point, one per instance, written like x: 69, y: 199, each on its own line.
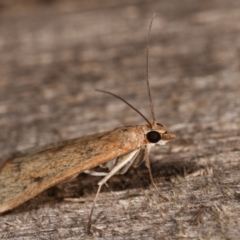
x: 157, y: 134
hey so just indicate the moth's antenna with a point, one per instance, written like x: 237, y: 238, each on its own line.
x: 98, y: 90
x: 147, y: 70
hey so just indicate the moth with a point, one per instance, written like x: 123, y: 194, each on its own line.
x: 27, y: 174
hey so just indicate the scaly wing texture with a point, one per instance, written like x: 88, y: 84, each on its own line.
x: 25, y: 176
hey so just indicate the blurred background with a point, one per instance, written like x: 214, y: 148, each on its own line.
x: 54, y: 54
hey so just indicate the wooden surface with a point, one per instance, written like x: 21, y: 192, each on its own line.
x: 53, y: 54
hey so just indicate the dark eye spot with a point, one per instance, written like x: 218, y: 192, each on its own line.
x: 153, y: 136
x: 159, y: 124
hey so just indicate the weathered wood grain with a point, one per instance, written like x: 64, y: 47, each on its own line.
x: 52, y: 57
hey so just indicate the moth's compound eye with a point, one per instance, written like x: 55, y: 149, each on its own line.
x: 153, y: 136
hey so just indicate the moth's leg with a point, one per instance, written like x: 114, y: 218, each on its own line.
x: 148, y: 165
x: 140, y: 158
x: 93, y: 173
x: 108, y: 165
x: 125, y: 159
x: 93, y: 206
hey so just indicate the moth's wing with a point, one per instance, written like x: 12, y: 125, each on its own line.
x: 25, y: 176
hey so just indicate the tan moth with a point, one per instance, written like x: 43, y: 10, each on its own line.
x: 27, y: 174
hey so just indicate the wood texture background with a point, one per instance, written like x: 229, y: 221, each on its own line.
x: 53, y: 54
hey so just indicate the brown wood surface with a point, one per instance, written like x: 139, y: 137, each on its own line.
x: 53, y: 54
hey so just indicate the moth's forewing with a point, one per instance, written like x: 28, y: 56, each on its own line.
x: 23, y: 177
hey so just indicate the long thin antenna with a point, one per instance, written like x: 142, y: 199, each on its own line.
x: 147, y: 70
x: 98, y: 90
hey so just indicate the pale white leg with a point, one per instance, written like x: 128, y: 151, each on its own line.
x: 125, y: 159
